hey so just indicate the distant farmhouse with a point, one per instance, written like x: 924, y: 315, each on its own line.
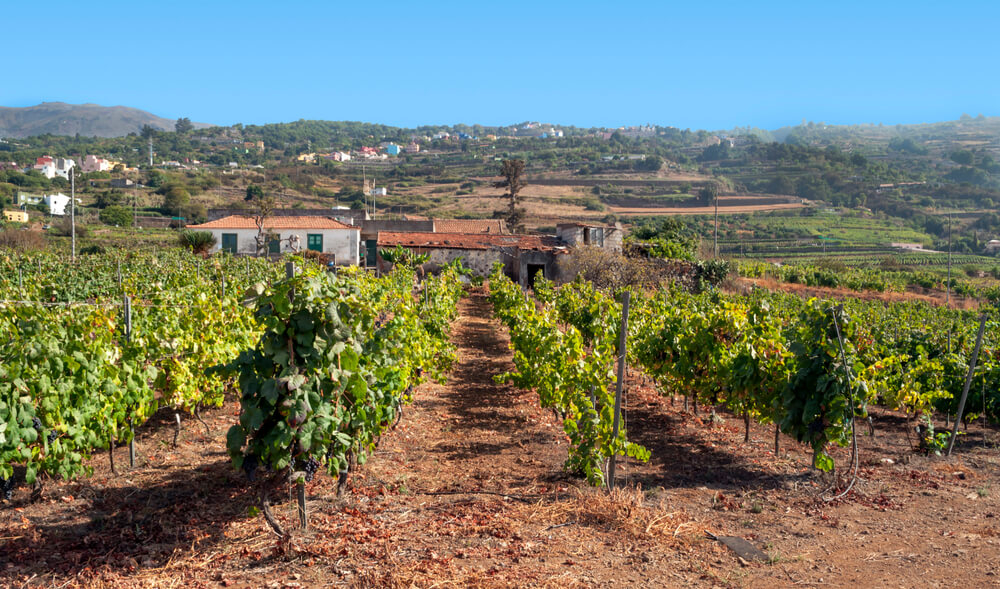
x: 352, y: 237
x: 51, y: 167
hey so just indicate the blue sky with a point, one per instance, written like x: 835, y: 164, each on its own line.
x: 699, y: 65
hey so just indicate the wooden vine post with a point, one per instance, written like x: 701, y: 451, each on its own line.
x: 618, y: 386
x: 298, y: 477
x: 127, y: 311
x: 968, y: 382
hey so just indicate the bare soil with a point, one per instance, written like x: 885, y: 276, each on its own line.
x: 469, y: 490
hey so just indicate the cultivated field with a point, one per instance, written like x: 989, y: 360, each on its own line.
x: 469, y: 491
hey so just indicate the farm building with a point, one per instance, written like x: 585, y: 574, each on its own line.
x: 238, y: 233
x: 523, y: 256
x: 607, y: 237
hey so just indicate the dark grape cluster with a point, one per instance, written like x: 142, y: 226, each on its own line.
x: 312, y: 465
x: 381, y: 320
x: 52, y: 435
x: 7, y: 488
x: 250, y: 465
x: 37, y: 424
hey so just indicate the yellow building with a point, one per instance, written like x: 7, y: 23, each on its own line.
x: 16, y: 216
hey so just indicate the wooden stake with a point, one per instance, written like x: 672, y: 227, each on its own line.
x: 300, y: 487
x: 619, y: 385
x: 127, y: 310
x: 968, y: 382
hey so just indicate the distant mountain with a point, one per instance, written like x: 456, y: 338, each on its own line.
x: 89, y: 120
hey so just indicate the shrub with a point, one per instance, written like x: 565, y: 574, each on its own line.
x: 711, y: 272
x: 21, y: 239
x: 92, y: 249
x: 116, y: 215
x: 611, y: 271
x: 199, y: 242
x: 64, y: 227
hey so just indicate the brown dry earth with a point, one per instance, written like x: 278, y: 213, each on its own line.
x: 469, y: 491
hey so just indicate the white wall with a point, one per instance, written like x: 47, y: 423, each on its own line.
x: 343, y: 243
x: 58, y: 203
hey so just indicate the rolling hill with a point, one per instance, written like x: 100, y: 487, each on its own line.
x: 89, y: 120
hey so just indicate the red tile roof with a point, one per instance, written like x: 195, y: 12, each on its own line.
x: 275, y: 222
x: 494, y: 226
x: 467, y: 241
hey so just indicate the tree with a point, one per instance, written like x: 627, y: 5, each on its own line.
x: 963, y: 156
x: 116, y: 215
x: 708, y: 193
x: 183, y: 125
x: 254, y: 192
x: 263, y: 206
x: 109, y: 198
x: 147, y: 132
x: 781, y: 184
x: 176, y: 200
x: 512, y: 172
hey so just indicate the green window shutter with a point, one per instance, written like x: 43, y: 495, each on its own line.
x: 229, y: 242
x: 314, y: 241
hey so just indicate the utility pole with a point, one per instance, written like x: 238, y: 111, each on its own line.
x: 135, y: 198
x: 72, y: 210
x: 716, y: 225
x: 150, y: 152
x: 947, y: 296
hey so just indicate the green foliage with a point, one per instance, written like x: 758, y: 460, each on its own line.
x: 337, y: 359
x: 403, y: 256
x: 199, y: 242
x: 116, y: 215
x: 907, y: 145
x: 72, y: 368
x: 183, y: 125
x: 665, y: 237
x: 570, y: 369
x: 176, y: 200
x: 254, y: 192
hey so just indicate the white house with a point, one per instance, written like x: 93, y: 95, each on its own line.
x: 238, y: 234
x: 58, y: 203
x: 51, y: 167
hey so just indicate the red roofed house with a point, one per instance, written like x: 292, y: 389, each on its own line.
x: 238, y: 234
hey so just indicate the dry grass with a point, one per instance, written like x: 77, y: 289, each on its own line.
x: 624, y: 512
x: 22, y: 240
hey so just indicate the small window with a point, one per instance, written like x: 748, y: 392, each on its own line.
x: 314, y: 241
x: 229, y: 242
